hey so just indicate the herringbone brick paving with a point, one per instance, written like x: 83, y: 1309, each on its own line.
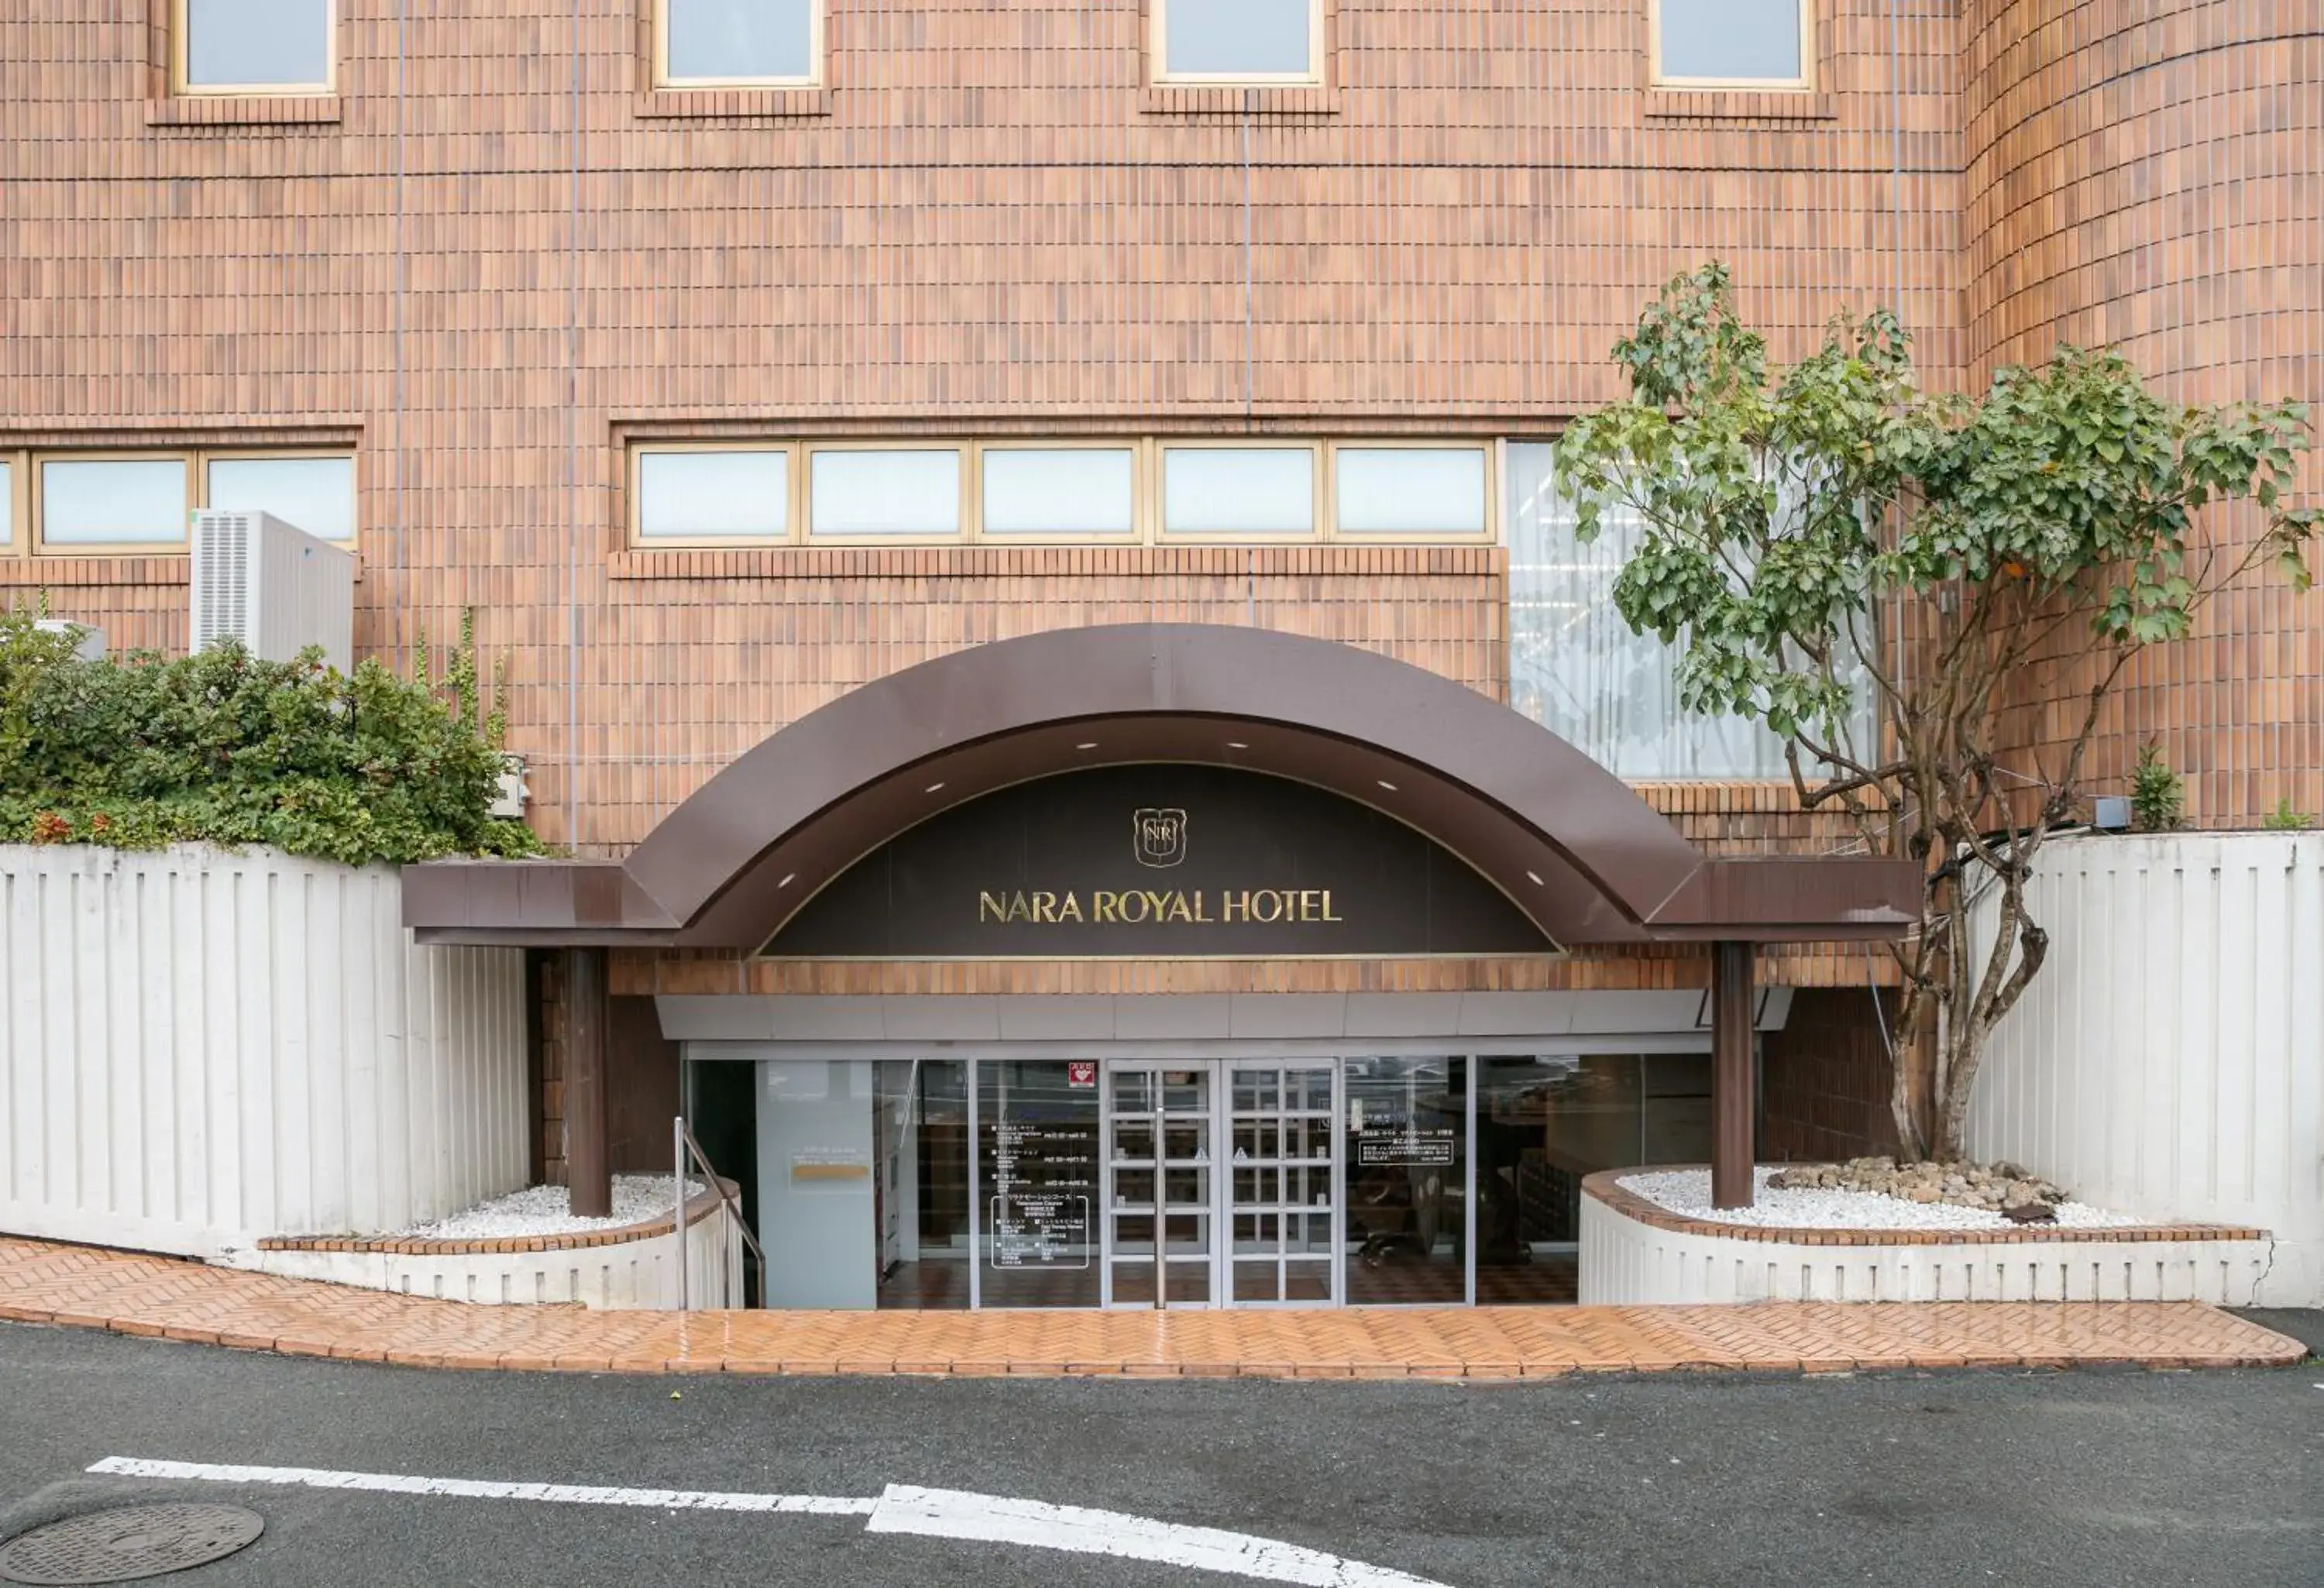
x: 41, y: 1282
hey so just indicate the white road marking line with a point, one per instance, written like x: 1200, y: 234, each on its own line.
x: 936, y: 1513
x: 946, y: 1513
x: 485, y: 1489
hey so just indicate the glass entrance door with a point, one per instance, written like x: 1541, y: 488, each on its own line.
x: 1281, y: 1192
x: 1233, y: 1164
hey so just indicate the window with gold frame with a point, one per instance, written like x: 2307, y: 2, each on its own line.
x: 1035, y: 490
x: 738, y: 43
x: 1756, y: 45
x: 139, y: 501
x: 254, y: 47
x: 1230, y: 43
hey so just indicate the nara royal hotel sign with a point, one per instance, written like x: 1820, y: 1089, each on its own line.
x: 1157, y: 860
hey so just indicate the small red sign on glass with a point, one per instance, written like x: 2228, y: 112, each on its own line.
x: 1082, y: 1074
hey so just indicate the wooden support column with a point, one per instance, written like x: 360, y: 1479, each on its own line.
x: 1732, y: 1147
x: 589, y: 1170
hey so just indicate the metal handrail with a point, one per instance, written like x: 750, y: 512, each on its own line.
x: 683, y: 1144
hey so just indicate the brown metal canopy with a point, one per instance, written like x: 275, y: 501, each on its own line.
x: 1580, y: 853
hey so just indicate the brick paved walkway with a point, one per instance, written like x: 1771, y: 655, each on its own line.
x: 84, y: 1286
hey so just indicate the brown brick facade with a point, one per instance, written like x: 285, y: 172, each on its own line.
x: 498, y: 255
x: 1824, y: 1077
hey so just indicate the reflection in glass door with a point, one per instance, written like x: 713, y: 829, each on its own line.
x: 1280, y: 1184
x: 1158, y: 1164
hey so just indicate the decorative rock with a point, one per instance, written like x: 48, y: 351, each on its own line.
x: 1984, y: 1187
x: 2030, y: 1212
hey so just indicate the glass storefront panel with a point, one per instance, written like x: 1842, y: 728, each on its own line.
x: 1037, y: 1157
x: 1271, y: 1181
x: 1406, y: 1167
x: 921, y: 1108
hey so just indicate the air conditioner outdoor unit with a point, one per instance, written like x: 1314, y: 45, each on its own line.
x: 89, y: 641
x: 271, y: 585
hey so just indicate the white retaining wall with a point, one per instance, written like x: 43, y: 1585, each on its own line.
x: 1628, y: 1262
x: 200, y: 1047
x: 2169, y: 1058
x: 639, y: 1273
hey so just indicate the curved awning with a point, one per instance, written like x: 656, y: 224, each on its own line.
x: 1576, y: 849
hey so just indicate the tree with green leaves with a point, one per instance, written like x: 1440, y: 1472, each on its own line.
x: 1811, y: 535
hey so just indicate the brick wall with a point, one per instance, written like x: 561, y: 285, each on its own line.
x: 1824, y: 1078
x: 494, y: 258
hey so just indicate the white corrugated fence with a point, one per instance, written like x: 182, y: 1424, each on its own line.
x: 200, y: 1047
x: 2169, y: 1059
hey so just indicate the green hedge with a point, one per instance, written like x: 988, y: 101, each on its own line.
x: 224, y: 749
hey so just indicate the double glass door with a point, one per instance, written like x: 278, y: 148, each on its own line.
x: 1220, y: 1184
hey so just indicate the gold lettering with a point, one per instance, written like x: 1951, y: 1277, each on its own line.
x: 1071, y: 909
x: 1266, y: 906
x: 1143, y: 902
x: 989, y: 909
x: 1202, y: 910
x: 1158, y: 905
x: 1180, y: 910
x: 1311, y: 904
x: 1234, y: 907
x: 1017, y: 909
x: 1045, y: 909
x: 1327, y: 906
x: 1105, y: 907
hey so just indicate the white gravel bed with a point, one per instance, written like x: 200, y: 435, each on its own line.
x: 1688, y: 1192
x: 548, y: 1210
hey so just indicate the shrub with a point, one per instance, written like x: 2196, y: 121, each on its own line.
x: 2158, y: 796
x: 2284, y: 819
x: 222, y: 748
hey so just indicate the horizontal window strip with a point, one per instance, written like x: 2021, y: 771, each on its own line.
x: 1079, y: 490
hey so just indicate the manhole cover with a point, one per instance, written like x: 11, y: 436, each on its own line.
x: 124, y: 1545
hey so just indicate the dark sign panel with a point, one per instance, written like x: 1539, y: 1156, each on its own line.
x: 1162, y: 861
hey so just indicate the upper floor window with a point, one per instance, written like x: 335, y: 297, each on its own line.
x: 712, y: 43
x: 1577, y: 667
x: 1060, y: 490
x: 1734, y: 43
x: 1238, y: 41
x: 254, y: 46
x: 109, y: 503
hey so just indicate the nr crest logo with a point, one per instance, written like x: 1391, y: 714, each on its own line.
x: 1161, y: 837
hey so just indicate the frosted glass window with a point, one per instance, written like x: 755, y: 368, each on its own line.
x: 710, y: 496
x: 1239, y: 491
x: 1576, y: 668
x: 8, y: 506
x: 1060, y: 491
x: 884, y: 492
x: 257, y: 43
x: 316, y: 493
x: 1409, y: 490
x: 1733, y: 40
x: 726, y: 40
x: 1238, y: 38
x: 114, y: 500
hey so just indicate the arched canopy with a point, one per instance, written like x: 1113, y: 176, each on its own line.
x: 1577, y: 850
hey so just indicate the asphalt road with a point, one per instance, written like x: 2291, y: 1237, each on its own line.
x: 2112, y: 1480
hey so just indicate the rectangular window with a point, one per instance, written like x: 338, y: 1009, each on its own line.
x: 875, y: 492
x: 1734, y: 43
x: 318, y: 494
x: 1238, y: 41
x: 1577, y: 669
x: 1064, y: 490
x: 7, y: 504
x: 712, y: 497
x: 1239, y: 491
x: 716, y: 42
x: 254, y: 46
x: 113, y: 501
x: 1413, y: 491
